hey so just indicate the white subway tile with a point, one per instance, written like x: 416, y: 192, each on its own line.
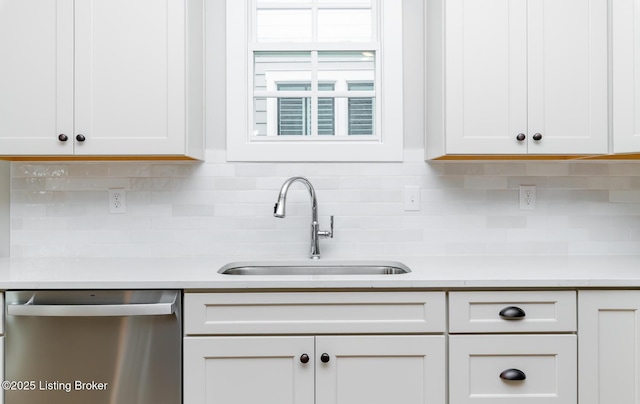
x: 216, y: 208
x: 625, y: 196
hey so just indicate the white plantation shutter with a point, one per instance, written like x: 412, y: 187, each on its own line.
x: 294, y: 113
x: 361, y: 110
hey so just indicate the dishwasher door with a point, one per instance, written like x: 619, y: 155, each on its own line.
x: 93, y: 346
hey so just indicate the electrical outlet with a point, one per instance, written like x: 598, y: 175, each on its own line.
x: 411, y: 198
x: 117, y: 201
x: 527, y: 197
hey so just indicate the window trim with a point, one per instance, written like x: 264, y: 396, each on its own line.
x: 242, y: 146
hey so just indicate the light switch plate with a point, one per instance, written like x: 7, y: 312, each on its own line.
x: 411, y: 198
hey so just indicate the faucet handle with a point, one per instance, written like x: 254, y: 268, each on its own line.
x: 327, y: 233
x: 331, y: 230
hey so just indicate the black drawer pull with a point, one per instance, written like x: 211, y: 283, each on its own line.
x: 304, y: 358
x: 512, y: 313
x: 512, y: 374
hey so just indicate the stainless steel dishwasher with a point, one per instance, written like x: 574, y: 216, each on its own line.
x: 93, y: 346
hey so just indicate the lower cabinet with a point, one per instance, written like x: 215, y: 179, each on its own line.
x: 1, y: 368
x: 321, y: 369
x: 514, y: 369
x: 315, y: 348
x: 609, y: 346
x: 1, y: 345
x: 512, y: 347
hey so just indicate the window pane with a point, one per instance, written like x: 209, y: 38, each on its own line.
x: 326, y: 116
x: 294, y: 113
x: 285, y: 2
x: 294, y: 86
x: 363, y: 2
x: 326, y: 86
x: 270, y: 68
x: 284, y: 26
x: 294, y: 116
x: 361, y: 116
x: 342, y: 25
x: 361, y: 86
x: 260, y: 117
x: 347, y: 66
x: 361, y: 110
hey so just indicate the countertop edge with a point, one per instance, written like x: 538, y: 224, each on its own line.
x: 443, y: 273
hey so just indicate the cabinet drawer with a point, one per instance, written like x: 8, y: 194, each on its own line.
x: 314, y: 313
x: 488, y: 312
x: 548, y: 363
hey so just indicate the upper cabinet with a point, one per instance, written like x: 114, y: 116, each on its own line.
x: 625, y: 31
x: 519, y: 77
x: 102, y: 78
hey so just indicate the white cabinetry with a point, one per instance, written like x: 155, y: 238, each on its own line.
x: 608, y: 348
x: 625, y: 29
x: 5, y: 203
x: 515, y: 77
x: 101, y: 77
x: 278, y: 368
x: 2, y: 369
x: 498, y: 361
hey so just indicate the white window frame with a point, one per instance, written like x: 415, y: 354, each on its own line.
x: 243, y: 146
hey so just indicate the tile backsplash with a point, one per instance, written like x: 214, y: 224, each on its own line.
x: 216, y: 208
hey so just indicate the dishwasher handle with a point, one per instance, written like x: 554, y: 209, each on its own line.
x: 91, y: 310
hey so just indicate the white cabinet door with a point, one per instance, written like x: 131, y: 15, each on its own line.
x: 381, y: 369
x: 521, y: 77
x: 36, y: 77
x: 102, y: 77
x: 609, y: 357
x: 482, y: 369
x: 568, y: 76
x: 486, y: 76
x: 248, y: 370
x: 130, y: 76
x: 357, y: 370
x: 626, y: 76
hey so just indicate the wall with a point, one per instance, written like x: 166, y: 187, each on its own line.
x: 219, y: 208
x: 216, y: 208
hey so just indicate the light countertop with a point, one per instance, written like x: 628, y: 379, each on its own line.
x: 429, y: 272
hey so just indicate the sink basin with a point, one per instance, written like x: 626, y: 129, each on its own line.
x: 315, y: 268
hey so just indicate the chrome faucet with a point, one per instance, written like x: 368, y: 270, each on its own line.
x: 316, y: 233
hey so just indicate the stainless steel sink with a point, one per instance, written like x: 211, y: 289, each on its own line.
x: 315, y: 268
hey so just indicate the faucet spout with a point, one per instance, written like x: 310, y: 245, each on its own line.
x: 280, y: 212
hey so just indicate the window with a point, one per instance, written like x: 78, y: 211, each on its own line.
x: 305, y: 80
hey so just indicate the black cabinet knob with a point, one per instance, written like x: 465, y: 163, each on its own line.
x: 62, y: 137
x: 80, y: 138
x: 512, y: 313
x: 304, y: 358
x: 537, y: 136
x: 521, y: 137
x: 324, y: 358
x: 513, y: 375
